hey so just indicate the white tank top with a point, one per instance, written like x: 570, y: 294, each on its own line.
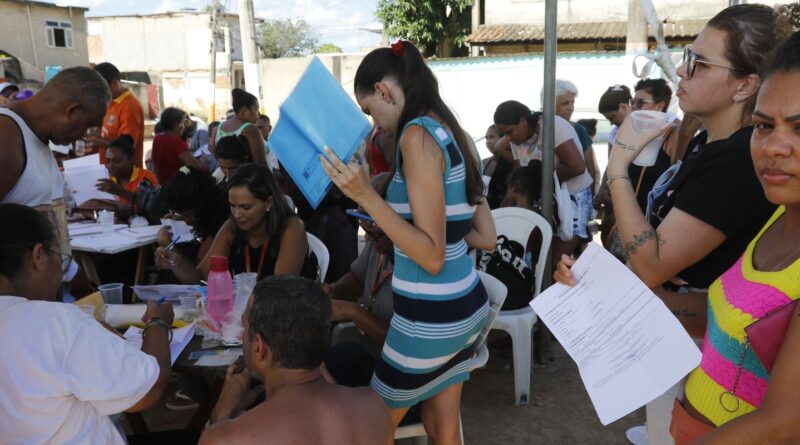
x: 40, y: 179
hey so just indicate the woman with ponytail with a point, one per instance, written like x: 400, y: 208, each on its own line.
x: 434, y: 209
x: 245, y: 109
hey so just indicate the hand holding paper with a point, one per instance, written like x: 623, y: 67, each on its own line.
x: 318, y: 113
x: 349, y: 178
x: 628, y: 346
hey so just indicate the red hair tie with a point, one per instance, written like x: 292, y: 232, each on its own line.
x: 397, y: 48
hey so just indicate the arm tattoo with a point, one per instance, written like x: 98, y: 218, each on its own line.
x: 625, y: 146
x: 684, y: 313
x: 641, y: 239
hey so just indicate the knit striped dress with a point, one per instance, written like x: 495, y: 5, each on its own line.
x: 436, y: 318
x: 741, y: 296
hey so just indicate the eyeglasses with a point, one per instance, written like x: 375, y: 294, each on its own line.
x: 66, y: 260
x: 639, y: 103
x: 691, y: 60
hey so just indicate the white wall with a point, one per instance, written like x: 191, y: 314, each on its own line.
x: 173, y: 42
x: 15, y: 34
x: 500, y: 12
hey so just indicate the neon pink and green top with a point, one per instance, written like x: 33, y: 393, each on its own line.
x: 738, y: 298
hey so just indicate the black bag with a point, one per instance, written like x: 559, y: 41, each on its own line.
x: 152, y: 202
x: 506, y: 263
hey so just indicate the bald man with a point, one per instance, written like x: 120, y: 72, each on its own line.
x: 74, y: 100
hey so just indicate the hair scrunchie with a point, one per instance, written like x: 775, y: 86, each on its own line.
x: 397, y: 48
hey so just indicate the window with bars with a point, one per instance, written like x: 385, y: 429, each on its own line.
x: 59, y: 34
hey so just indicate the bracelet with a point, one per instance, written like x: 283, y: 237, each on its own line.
x: 614, y: 178
x: 156, y: 321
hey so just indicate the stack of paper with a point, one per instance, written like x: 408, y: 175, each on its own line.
x: 169, y: 292
x: 180, y: 339
x: 141, y: 233
x: 88, y: 228
x: 82, y: 175
x: 628, y: 346
x: 317, y: 114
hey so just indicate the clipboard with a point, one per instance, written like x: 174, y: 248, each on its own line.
x: 316, y: 114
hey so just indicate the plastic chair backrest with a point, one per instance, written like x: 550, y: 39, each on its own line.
x: 496, y: 291
x: 517, y: 224
x: 323, y: 257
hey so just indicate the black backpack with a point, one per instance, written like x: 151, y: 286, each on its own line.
x: 506, y: 263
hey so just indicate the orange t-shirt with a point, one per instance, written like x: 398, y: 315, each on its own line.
x: 138, y: 175
x: 125, y: 115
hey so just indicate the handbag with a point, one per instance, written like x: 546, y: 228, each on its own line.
x: 766, y: 335
x: 506, y: 263
x: 564, y: 202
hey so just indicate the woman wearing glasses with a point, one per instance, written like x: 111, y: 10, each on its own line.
x: 713, y: 208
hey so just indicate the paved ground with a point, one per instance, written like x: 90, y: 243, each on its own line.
x: 560, y: 411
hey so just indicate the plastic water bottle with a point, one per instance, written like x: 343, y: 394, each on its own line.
x: 220, y: 290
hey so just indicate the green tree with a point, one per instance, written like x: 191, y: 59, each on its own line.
x: 439, y: 27
x: 286, y: 38
x: 328, y: 48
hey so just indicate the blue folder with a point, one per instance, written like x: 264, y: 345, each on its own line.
x: 318, y: 113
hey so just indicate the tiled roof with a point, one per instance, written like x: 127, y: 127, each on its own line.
x: 576, y: 31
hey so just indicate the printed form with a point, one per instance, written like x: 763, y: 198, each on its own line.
x: 628, y: 346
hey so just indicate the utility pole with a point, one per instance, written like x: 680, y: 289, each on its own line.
x: 636, y: 39
x: 252, y: 72
x: 212, y: 67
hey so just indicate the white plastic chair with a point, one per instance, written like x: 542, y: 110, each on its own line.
x: 323, y: 257
x: 517, y: 224
x: 497, y: 292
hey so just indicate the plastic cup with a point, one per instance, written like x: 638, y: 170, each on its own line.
x: 188, y: 302
x: 644, y: 121
x: 106, y: 220
x: 87, y: 309
x: 112, y: 293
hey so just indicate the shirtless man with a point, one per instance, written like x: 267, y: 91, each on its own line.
x: 286, y: 331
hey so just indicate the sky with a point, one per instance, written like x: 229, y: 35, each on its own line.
x: 332, y: 21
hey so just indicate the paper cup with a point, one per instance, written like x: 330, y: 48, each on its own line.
x: 112, y: 293
x: 645, y: 121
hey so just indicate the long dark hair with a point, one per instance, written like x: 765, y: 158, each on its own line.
x: 198, y: 191
x: 511, y: 111
x: 421, y: 93
x: 261, y: 183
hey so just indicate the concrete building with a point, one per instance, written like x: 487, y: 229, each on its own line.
x: 517, y: 26
x: 42, y: 34
x: 173, y: 49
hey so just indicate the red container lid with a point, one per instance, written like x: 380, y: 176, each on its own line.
x: 219, y: 263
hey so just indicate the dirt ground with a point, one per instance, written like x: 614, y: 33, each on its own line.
x: 559, y: 413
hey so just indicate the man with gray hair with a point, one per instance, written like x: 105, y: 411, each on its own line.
x: 74, y: 100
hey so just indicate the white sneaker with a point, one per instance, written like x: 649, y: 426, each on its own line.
x: 637, y: 435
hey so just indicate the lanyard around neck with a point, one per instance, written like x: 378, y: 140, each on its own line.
x: 264, y: 248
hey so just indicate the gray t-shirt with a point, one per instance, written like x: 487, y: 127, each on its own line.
x: 365, y: 268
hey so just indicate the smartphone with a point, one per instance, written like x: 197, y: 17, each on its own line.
x: 357, y: 214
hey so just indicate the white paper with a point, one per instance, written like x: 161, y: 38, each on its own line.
x: 628, y: 346
x: 83, y: 161
x: 141, y: 233
x: 180, y: 339
x: 217, y: 360
x: 91, y: 228
x: 122, y: 315
x: 170, y: 292
x: 101, y: 242
x: 83, y: 183
x: 179, y: 229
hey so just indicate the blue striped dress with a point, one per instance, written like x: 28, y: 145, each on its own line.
x: 436, y: 318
